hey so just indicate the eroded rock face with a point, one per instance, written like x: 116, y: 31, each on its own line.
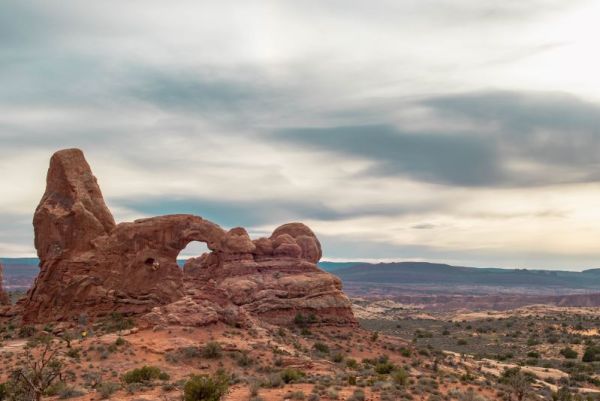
x: 72, y: 211
x: 89, y: 265
x: 276, y: 280
x: 304, y: 237
x: 4, y: 300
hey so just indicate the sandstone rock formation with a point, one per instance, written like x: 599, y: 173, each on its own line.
x: 4, y: 300
x: 275, y: 280
x: 89, y: 265
x: 72, y: 211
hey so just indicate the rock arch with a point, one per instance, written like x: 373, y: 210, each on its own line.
x: 89, y: 264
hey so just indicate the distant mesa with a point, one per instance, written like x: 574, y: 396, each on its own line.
x: 91, y: 265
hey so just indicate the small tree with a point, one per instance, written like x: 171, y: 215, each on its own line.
x: 40, y: 369
x: 67, y: 337
x: 563, y: 394
x: 518, y: 382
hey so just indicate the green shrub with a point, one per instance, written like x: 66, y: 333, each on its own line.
x: 332, y: 393
x: 591, y: 354
x: 512, y: 374
x: 107, y: 389
x: 305, y: 331
x: 299, y: 320
x: 194, y: 352
x: 296, y: 395
x: 563, y: 394
x: 405, y: 352
x: 132, y: 388
x: 205, y: 388
x: 55, y: 389
x: 321, y: 347
x: 358, y: 395
x: 400, y: 376
x: 212, y: 350
x: 243, y: 359
x: 3, y: 391
x: 351, y: 363
x: 569, y: 353
x: 290, y: 375
x: 73, y: 353
x: 144, y: 374
x: 117, y: 322
x: 70, y: 392
x: 26, y: 331
x: 273, y: 381
x: 384, y: 368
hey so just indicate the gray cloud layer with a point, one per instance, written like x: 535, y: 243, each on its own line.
x: 441, y: 158
x: 256, y: 114
x: 546, y: 130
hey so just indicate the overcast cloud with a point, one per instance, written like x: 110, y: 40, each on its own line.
x: 451, y: 131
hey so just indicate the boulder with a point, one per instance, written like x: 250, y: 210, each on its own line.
x: 304, y: 238
x: 263, y: 247
x: 237, y: 240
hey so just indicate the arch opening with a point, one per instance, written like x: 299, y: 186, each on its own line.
x: 191, y: 250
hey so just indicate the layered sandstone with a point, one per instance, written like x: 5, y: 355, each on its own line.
x: 4, y: 299
x: 90, y: 265
x: 274, y: 280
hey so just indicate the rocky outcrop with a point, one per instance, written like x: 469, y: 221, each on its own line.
x: 303, y: 236
x: 4, y: 299
x: 90, y: 265
x: 72, y: 211
x: 275, y: 280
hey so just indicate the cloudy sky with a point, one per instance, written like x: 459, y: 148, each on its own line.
x: 461, y: 131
